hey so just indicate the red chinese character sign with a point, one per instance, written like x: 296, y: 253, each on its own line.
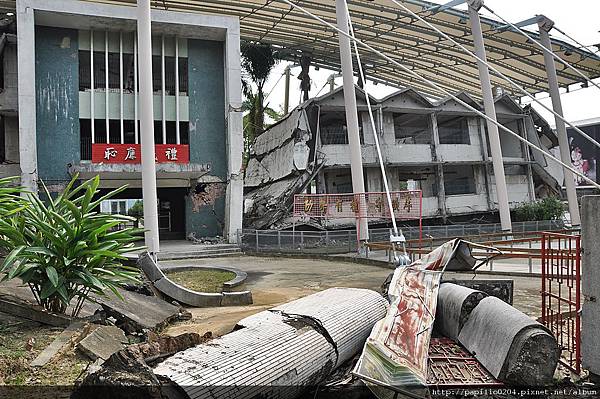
x: 132, y: 153
x: 406, y: 205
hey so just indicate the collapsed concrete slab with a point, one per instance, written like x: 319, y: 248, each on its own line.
x: 103, y: 342
x: 513, y: 347
x: 280, y: 352
x: 455, y: 304
x: 138, y: 312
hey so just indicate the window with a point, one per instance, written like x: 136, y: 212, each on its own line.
x: 412, y: 128
x: 333, y: 128
x: 453, y: 129
x: 511, y: 146
x: 459, y: 180
x: 128, y: 133
x: 128, y: 72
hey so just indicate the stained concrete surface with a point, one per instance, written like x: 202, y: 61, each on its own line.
x: 276, y: 280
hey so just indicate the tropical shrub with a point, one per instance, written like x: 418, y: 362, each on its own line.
x: 63, y: 248
x: 550, y: 208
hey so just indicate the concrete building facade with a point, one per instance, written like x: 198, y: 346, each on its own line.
x: 76, y: 111
x: 440, y: 148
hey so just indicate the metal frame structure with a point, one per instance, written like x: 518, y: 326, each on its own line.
x: 561, y: 294
x: 381, y: 24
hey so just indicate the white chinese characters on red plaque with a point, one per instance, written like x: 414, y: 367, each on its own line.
x: 132, y: 153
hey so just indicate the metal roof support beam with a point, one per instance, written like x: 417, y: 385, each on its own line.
x: 490, y: 111
x: 444, y: 7
x: 358, y: 182
x: 545, y: 26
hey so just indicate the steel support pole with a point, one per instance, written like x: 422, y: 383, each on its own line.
x: 147, y: 127
x: 286, y: 100
x: 545, y: 26
x: 490, y: 111
x: 358, y: 185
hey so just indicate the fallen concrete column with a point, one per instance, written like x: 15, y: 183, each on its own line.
x: 281, y: 352
x: 455, y: 304
x: 513, y: 347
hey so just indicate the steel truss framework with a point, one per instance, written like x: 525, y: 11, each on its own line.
x: 387, y: 28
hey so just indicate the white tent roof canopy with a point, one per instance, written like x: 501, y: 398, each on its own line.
x: 387, y: 28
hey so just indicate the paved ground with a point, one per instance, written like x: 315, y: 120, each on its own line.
x: 277, y: 280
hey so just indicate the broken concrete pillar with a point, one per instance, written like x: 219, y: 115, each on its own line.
x: 590, y: 284
x: 455, y: 304
x: 281, y: 352
x: 513, y: 347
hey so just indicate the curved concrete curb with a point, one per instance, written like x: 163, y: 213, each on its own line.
x: 187, y: 296
x: 240, y: 276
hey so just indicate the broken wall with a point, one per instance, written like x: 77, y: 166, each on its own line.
x: 205, y: 204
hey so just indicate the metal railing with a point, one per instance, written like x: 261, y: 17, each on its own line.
x: 345, y: 241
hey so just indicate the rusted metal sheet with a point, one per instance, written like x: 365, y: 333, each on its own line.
x: 451, y: 366
x: 280, y: 352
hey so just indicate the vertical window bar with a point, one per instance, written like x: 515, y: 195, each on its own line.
x: 121, y: 85
x: 106, y: 85
x: 177, y: 130
x: 92, y: 91
x: 164, y: 90
x: 135, y: 88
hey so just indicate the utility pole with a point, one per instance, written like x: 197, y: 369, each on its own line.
x: 286, y: 100
x: 358, y: 185
x: 150, y: 197
x: 490, y: 111
x: 546, y: 25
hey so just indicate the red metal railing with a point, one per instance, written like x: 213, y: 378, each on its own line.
x: 561, y: 294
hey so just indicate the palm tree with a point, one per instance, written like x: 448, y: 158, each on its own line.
x: 258, y: 61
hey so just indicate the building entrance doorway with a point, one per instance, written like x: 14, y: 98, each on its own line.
x: 171, y: 209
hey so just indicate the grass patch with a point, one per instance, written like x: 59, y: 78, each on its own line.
x: 202, y: 280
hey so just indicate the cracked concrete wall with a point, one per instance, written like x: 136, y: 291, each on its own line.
x: 205, y: 205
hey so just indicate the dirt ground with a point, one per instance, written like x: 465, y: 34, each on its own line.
x: 21, y: 341
x: 276, y: 280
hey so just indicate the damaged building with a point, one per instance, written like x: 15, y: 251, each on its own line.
x: 76, y: 111
x: 440, y: 148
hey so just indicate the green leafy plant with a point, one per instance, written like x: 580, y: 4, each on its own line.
x: 63, y: 248
x: 549, y: 208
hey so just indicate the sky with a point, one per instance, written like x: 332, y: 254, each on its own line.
x: 578, y: 18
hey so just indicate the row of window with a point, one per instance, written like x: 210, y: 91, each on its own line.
x: 128, y: 72
x: 408, y: 129
x: 128, y: 133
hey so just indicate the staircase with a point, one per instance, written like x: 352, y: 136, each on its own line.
x: 198, y: 251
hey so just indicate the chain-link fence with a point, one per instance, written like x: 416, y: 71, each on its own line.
x: 345, y: 241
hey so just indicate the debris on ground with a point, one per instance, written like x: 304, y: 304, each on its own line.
x: 127, y: 373
x: 137, y: 312
x: 103, y: 342
x: 510, y: 346
x: 303, y: 340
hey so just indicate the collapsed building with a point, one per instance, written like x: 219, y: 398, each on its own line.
x: 440, y: 148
